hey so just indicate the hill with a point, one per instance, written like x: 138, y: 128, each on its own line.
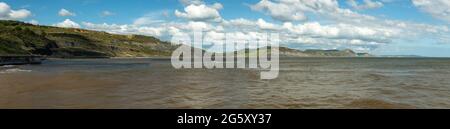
x: 18, y: 38
x: 288, y: 52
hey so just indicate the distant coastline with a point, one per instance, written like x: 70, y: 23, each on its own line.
x: 19, y: 38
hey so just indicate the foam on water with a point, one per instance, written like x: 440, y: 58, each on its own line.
x: 13, y: 70
x: 8, y: 66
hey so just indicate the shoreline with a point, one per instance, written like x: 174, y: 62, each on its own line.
x: 36, y: 59
x: 168, y: 57
x: 20, y: 59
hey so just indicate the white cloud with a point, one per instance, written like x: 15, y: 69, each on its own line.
x: 240, y: 22
x: 68, y: 24
x: 265, y: 25
x: 146, y: 21
x: 295, y: 10
x: 65, y: 13
x: 153, y: 31
x: 201, y: 12
x: 283, y: 11
x: 126, y: 29
x: 243, y: 24
x: 342, y: 31
x: 439, y: 9
x: 152, y: 18
x: 103, y: 27
x: 6, y: 13
x: 217, y: 6
x: 34, y: 22
x: 173, y: 31
x: 107, y: 13
x: 161, y: 29
x: 198, y: 26
x: 20, y: 14
x: 368, y: 4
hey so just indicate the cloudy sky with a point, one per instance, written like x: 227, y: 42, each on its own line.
x: 382, y: 27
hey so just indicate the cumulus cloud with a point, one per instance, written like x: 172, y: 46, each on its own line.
x: 342, y: 31
x: 125, y: 29
x: 34, y: 22
x: 243, y: 24
x: 201, y: 12
x: 112, y: 28
x: 6, y: 13
x: 265, y: 25
x: 65, y: 13
x: 161, y: 29
x: 197, y: 26
x: 68, y: 24
x: 151, y: 18
x: 217, y: 6
x: 283, y: 10
x: 439, y: 9
x: 240, y: 22
x: 368, y: 4
x: 295, y: 10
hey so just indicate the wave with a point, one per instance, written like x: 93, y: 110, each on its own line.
x: 377, y: 104
x: 8, y: 66
x: 14, y: 70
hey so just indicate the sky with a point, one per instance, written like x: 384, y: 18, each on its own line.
x: 380, y: 27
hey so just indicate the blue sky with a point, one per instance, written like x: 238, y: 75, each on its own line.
x: 382, y: 27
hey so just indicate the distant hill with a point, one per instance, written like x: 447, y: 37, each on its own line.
x: 18, y: 38
x: 400, y: 56
x: 288, y: 52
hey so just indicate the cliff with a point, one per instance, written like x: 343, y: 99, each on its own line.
x: 18, y: 38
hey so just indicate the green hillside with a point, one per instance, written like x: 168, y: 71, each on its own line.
x: 18, y: 38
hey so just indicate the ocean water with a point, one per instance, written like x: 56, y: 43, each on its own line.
x: 302, y: 83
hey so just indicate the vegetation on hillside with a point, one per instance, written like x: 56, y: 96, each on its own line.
x: 18, y: 38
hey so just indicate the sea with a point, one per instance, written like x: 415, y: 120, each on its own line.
x: 303, y: 83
